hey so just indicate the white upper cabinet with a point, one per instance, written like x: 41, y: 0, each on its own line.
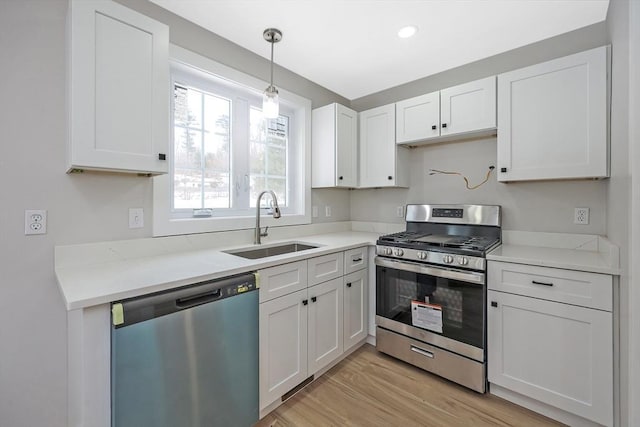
x: 334, y: 142
x: 552, y: 119
x: 469, y: 107
x: 119, y: 89
x: 418, y: 118
x: 382, y: 162
x: 461, y: 111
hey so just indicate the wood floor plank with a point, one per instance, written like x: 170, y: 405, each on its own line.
x: 371, y: 389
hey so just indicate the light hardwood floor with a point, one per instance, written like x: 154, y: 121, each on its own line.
x: 369, y: 388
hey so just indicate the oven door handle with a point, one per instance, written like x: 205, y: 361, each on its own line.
x: 463, y: 276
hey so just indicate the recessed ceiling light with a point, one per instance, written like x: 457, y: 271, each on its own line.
x: 408, y: 31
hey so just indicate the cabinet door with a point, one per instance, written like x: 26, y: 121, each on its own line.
x: 119, y: 89
x: 355, y: 308
x: 469, y: 107
x: 283, y: 345
x: 346, y: 147
x: 378, y: 147
x: 553, y: 119
x: 418, y: 118
x: 334, y: 147
x: 325, y: 324
x: 555, y: 353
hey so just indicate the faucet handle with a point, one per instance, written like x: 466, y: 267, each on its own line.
x: 265, y: 232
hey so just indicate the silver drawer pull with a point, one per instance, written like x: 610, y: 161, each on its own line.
x: 422, y: 351
x: 541, y: 283
x: 357, y: 259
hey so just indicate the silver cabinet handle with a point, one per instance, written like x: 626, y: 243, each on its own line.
x: 357, y: 259
x: 422, y: 351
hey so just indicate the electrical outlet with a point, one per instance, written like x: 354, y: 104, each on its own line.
x: 327, y: 211
x: 35, y: 221
x: 314, y: 212
x: 581, y: 216
x: 136, y: 218
x: 400, y: 211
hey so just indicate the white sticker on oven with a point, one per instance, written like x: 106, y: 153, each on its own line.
x: 426, y: 316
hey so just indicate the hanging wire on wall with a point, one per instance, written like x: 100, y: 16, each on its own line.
x: 466, y: 180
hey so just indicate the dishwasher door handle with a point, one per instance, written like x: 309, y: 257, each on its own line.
x: 193, y: 300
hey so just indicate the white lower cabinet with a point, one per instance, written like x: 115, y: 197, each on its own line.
x: 305, y: 331
x: 552, y: 352
x: 355, y: 308
x: 324, y: 325
x: 283, y: 345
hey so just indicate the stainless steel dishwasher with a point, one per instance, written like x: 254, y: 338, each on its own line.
x: 187, y: 357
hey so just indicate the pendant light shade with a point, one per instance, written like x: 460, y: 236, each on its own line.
x: 270, y: 101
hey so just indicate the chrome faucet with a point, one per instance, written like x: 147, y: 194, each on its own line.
x: 276, y: 214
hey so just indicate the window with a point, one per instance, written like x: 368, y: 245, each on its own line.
x: 224, y: 152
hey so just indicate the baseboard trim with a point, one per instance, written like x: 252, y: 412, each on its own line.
x: 541, y: 408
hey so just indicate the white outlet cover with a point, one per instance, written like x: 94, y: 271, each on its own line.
x: 35, y: 221
x: 136, y: 218
x: 581, y: 216
x: 314, y: 212
x: 327, y: 211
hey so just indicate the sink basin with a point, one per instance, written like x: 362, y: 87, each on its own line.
x: 267, y: 251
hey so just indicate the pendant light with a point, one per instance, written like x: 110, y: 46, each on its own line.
x: 270, y: 103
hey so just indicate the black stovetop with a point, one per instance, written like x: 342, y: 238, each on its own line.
x: 429, y: 241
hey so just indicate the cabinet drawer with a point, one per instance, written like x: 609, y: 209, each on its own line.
x: 282, y: 279
x: 325, y: 268
x: 573, y: 287
x: 355, y: 259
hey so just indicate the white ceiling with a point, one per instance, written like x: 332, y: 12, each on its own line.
x: 351, y: 46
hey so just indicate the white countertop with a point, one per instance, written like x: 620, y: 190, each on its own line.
x: 100, y: 273
x: 119, y: 277
x: 569, y: 251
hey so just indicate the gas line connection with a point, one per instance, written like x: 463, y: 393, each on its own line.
x: 466, y: 180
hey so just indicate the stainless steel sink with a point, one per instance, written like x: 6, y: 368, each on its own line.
x: 267, y: 251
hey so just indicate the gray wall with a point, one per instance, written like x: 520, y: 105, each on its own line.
x: 530, y: 206
x: 82, y: 208
x: 533, y: 206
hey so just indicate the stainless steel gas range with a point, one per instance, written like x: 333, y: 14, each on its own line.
x: 431, y: 290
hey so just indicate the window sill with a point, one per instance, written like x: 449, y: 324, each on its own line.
x: 172, y: 227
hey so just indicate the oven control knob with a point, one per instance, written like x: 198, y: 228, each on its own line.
x: 387, y: 251
x: 422, y: 255
x: 448, y: 259
x: 463, y: 260
x: 398, y: 252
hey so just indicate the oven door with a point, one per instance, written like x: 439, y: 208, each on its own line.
x: 441, y: 306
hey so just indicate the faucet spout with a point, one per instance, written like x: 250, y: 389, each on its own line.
x: 276, y: 214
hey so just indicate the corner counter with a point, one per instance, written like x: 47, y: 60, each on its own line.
x: 580, y: 252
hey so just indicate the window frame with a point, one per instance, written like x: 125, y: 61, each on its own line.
x: 166, y: 223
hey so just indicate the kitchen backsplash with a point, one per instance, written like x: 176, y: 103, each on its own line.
x: 528, y: 206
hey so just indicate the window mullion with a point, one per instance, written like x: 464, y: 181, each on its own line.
x: 202, y: 152
x: 241, y: 155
